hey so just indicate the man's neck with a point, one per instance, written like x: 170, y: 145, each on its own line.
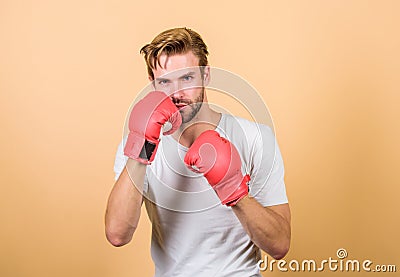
x: 205, y: 119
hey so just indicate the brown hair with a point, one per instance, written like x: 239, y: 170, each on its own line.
x: 174, y: 41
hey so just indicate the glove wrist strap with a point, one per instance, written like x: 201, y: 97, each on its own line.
x: 139, y: 148
x: 241, y: 192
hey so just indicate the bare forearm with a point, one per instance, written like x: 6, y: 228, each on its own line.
x: 268, y: 229
x: 124, y: 204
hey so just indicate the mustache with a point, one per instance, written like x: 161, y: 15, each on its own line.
x: 181, y: 101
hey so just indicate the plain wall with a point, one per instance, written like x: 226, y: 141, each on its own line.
x: 328, y: 71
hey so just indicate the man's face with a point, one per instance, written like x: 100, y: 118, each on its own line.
x: 180, y: 77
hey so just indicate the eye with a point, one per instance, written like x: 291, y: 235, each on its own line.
x: 163, y: 82
x: 187, y: 78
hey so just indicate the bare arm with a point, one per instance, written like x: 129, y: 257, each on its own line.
x: 268, y: 227
x: 124, y: 204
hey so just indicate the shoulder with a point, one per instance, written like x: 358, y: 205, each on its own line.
x: 253, y: 131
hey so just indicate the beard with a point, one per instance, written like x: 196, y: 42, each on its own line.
x: 192, y: 108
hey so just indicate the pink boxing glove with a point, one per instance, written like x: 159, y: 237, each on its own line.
x: 218, y: 159
x: 145, y: 122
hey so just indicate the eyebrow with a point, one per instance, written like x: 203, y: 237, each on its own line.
x: 192, y: 73
x: 188, y: 74
x: 161, y: 79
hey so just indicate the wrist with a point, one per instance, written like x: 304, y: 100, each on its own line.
x: 241, y: 202
x: 134, y: 164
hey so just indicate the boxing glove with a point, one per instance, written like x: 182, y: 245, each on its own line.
x: 219, y: 161
x: 145, y: 122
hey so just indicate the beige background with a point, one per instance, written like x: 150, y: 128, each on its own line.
x: 328, y: 71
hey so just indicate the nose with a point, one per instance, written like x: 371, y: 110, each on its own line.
x: 177, y: 91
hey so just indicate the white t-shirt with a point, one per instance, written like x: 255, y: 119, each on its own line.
x: 201, y: 237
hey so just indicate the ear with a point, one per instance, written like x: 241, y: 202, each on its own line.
x: 206, y: 75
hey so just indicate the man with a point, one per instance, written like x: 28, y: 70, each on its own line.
x: 213, y: 183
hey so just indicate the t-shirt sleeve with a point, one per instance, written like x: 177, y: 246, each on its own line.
x: 120, y: 162
x: 267, y: 183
